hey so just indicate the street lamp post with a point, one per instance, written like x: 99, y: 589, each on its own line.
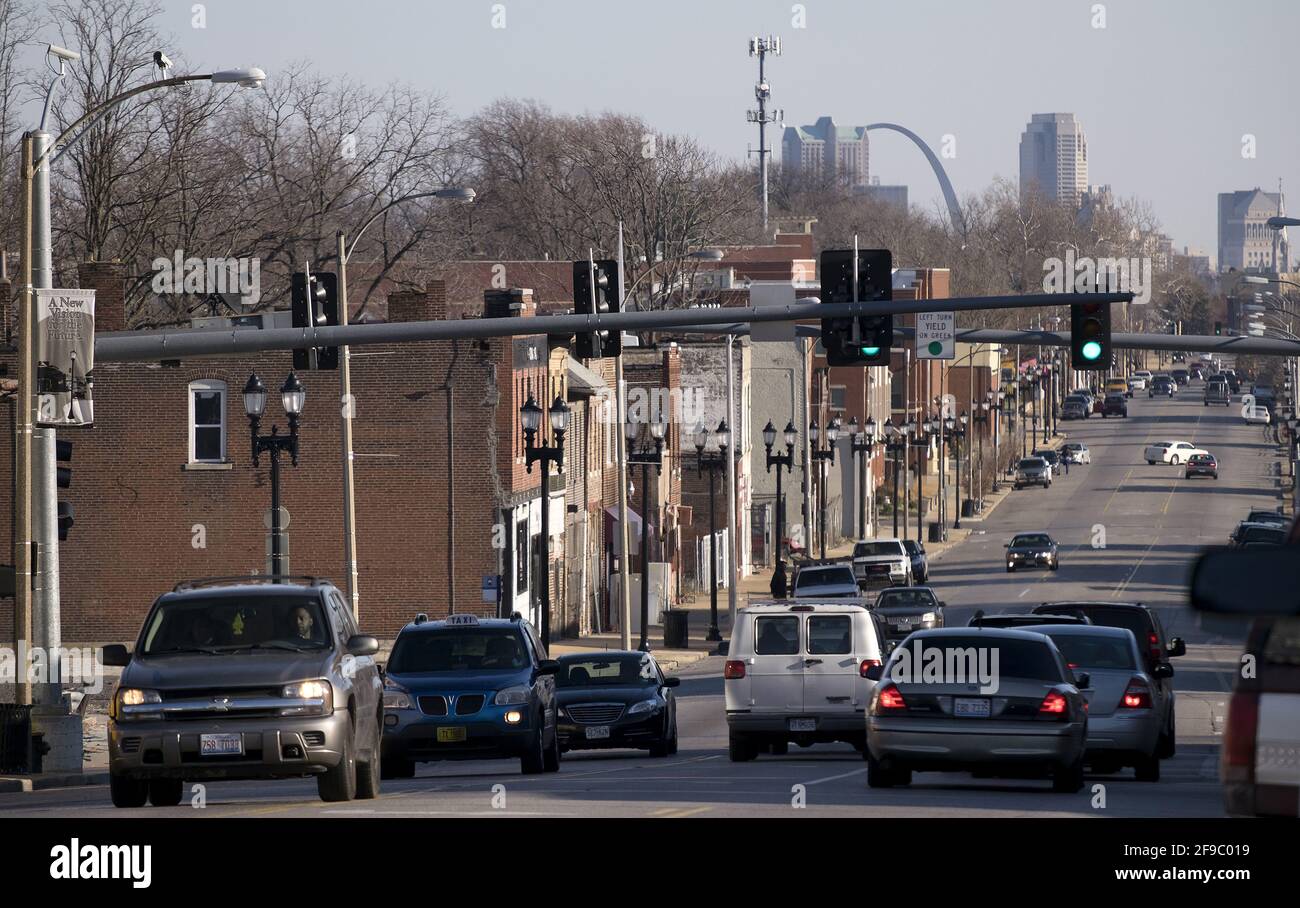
x: 530, y: 415
x: 780, y: 460
x: 956, y: 432
x: 821, y: 456
x: 981, y: 417
x: 292, y: 397
x: 860, y: 443
x: 646, y: 456
x: 996, y: 401
x: 714, y: 459
x: 894, y: 445
x: 922, y: 434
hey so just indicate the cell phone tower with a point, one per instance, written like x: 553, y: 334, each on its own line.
x: 761, y: 47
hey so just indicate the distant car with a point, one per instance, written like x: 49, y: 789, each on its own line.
x: 1033, y: 471
x: 1021, y: 620
x: 1181, y: 376
x: 825, y: 581
x: 1233, y: 381
x: 1255, y: 415
x: 1261, y: 516
x: 1258, y: 534
x: 883, y: 560
x: 920, y: 563
x: 1143, y: 375
x: 1116, y: 386
x: 1051, y: 455
x: 1202, y: 465
x: 1115, y: 405
x: 1076, y: 452
x: 1136, y: 384
x: 1197, y: 373
x: 1125, y: 717
x: 615, y: 699
x: 1216, y: 392
x: 1162, y: 386
x: 1034, y: 721
x: 908, y: 609
x: 1174, y: 452
x: 1075, y: 407
x: 1032, y: 550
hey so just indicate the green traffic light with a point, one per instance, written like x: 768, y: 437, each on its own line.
x: 1091, y: 350
x: 870, y: 351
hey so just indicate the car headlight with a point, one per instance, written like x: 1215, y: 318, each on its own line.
x: 928, y: 616
x: 318, y: 690
x: 136, y: 697
x: 645, y: 706
x: 513, y: 696
x: 397, y: 697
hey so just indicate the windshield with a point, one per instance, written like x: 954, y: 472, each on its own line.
x: 827, y: 577
x: 1093, y: 650
x: 228, y: 623
x: 874, y: 549
x: 624, y: 671
x: 1017, y: 658
x: 905, y: 597
x: 457, y: 649
x: 1032, y: 463
x: 1031, y: 539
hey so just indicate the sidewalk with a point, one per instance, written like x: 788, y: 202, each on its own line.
x: 671, y: 660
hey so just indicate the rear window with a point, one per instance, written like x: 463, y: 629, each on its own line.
x: 1086, y: 651
x: 1016, y: 658
x: 1134, y: 620
x: 875, y: 549
x: 458, y: 650
x: 906, y: 596
x: 236, y: 622
x: 776, y: 635
x: 624, y: 671
x: 830, y: 634
x: 1283, y: 644
x: 811, y: 579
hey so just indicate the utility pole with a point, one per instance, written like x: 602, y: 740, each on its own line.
x: 761, y: 47
x: 349, y: 410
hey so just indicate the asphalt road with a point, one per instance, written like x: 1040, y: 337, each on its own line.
x: 1153, y: 521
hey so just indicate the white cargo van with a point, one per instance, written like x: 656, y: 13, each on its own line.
x: 797, y: 671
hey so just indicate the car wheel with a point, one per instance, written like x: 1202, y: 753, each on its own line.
x: 1068, y: 779
x: 1166, y: 745
x: 127, y: 792
x: 369, y: 775
x: 1056, y: 565
x: 879, y: 777
x: 672, y: 743
x: 533, y: 761
x: 1148, y: 769
x: 1174, y: 460
x: 551, y: 757
x: 1010, y: 569
x: 165, y: 792
x: 739, y: 748
x: 393, y: 768
x: 779, y: 748
x: 1150, y: 463
x: 340, y: 782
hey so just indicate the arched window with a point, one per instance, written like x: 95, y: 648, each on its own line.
x: 207, y: 421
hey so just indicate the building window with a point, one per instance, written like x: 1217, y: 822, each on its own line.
x: 839, y: 397
x: 207, y: 422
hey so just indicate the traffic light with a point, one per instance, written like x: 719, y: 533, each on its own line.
x: 63, y: 454
x: 1218, y: 329
x: 1089, y: 335
x: 607, y: 281
x: 319, y: 309
x: 865, y: 340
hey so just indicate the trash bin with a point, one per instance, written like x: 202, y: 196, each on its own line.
x: 936, y: 531
x: 967, y: 507
x: 15, y: 738
x: 676, y: 632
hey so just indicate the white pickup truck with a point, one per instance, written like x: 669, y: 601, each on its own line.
x: 882, y: 562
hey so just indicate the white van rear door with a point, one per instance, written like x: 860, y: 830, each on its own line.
x: 776, y: 668
x: 830, y: 665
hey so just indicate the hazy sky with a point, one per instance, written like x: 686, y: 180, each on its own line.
x: 1165, y: 91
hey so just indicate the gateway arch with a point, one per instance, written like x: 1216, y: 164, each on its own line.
x: 950, y: 197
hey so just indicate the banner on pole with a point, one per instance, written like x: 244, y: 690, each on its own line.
x: 65, y: 357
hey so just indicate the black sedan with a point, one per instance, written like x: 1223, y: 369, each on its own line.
x: 1031, y: 549
x: 616, y: 699
x: 904, y: 609
x: 920, y: 564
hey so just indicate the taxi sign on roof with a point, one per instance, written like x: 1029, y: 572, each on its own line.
x: 460, y: 620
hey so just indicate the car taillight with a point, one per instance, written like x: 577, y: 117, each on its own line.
x: 1137, y: 695
x: 1243, y: 725
x: 890, y: 698
x: 1154, y: 643
x: 733, y: 670
x: 866, y: 664
x: 1054, y: 704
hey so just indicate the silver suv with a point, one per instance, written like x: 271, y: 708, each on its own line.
x: 1033, y: 471
x: 246, y: 678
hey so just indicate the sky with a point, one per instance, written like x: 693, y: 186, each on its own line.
x: 1166, y: 90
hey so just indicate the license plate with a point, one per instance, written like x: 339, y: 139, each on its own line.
x: 803, y: 725
x: 221, y: 745
x: 971, y: 708
x: 595, y: 732
x: 903, y: 622
x: 451, y: 734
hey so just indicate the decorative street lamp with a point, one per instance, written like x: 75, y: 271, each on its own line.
x: 780, y: 460
x: 860, y: 443
x: 981, y: 416
x: 919, y: 435
x: 530, y: 414
x: 646, y: 456
x: 821, y: 456
x: 956, y: 429
x: 998, y: 403
x: 895, y: 442
x: 711, y: 455
x: 292, y: 398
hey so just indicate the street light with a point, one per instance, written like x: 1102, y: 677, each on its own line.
x: 860, y: 443
x: 895, y: 443
x: 649, y: 454
x: 956, y: 429
x: 821, y: 455
x: 292, y: 398
x: 530, y: 414
x: 981, y: 417
x: 780, y: 460
x: 714, y: 459
x: 920, y: 435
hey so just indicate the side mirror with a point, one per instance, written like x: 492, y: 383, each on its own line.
x: 1273, y: 573
x: 942, y: 604
x: 1162, y: 670
x: 875, y: 672
x: 1007, y: 546
x: 362, y: 645
x: 1177, y: 647
x: 115, y: 654
x: 1082, y: 680
x: 548, y: 667
x: 672, y: 682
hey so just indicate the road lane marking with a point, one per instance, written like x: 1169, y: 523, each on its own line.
x: 1022, y: 593
x: 843, y: 775
x: 1136, y: 568
x: 1117, y: 488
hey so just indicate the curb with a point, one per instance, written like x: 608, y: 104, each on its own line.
x: 9, y: 784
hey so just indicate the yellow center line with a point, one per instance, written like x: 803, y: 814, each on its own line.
x: 678, y: 814
x: 1133, y: 573
x: 1182, y: 468
x: 1118, y: 486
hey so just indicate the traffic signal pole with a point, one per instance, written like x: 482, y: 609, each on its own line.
x: 348, y: 411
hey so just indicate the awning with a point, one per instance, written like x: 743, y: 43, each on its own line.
x: 583, y: 382
x: 633, y: 526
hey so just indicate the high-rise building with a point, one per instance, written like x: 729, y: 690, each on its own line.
x: 1054, y: 158
x: 825, y: 151
x: 894, y: 195
x: 1245, y: 241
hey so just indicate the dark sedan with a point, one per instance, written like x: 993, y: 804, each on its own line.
x: 908, y: 608
x: 1163, y: 386
x: 920, y: 564
x: 1030, y: 549
x: 616, y: 699
x: 1254, y: 534
x: 1202, y: 465
x: 1115, y: 405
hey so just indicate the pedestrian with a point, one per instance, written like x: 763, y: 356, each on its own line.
x: 1066, y: 457
x: 780, y: 585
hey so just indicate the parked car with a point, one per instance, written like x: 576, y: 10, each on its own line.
x: 1115, y: 405
x: 1125, y: 718
x: 1258, y: 515
x: 799, y: 672
x: 615, y: 699
x: 885, y: 560
x: 1258, y: 534
x: 464, y: 688
x: 1202, y: 465
x: 1075, y: 407
x: 1035, y: 720
x: 1051, y: 455
x: 1156, y: 647
x: 1033, y: 471
x: 904, y: 610
x: 920, y: 563
x: 1032, y: 549
x: 222, y: 667
x: 1174, y: 452
x: 825, y: 581
x: 1076, y: 452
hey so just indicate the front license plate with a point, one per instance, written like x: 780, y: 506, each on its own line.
x: 971, y: 708
x: 803, y: 725
x: 595, y: 732
x: 221, y: 745
x: 452, y: 734
x: 903, y: 622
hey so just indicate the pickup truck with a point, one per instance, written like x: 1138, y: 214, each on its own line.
x: 1216, y: 392
x: 882, y: 561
